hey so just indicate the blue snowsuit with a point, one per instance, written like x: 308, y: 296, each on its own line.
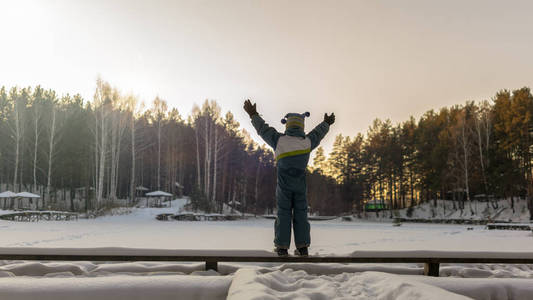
x: 292, y: 151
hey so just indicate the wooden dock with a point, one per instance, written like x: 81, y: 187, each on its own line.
x: 198, y: 217
x: 509, y: 226
x: 34, y: 216
x: 430, y: 259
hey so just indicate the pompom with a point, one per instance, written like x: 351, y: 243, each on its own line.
x: 307, y: 114
x: 283, y: 121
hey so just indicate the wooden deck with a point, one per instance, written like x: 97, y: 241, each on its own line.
x: 198, y: 217
x: 430, y: 259
x: 34, y: 216
x: 509, y: 226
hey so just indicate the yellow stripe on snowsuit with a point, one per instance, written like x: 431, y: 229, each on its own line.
x: 293, y: 153
x: 292, y: 146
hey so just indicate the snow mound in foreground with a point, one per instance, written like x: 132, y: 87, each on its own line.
x: 119, y: 287
x: 481, y: 288
x: 157, y: 281
x: 249, y: 284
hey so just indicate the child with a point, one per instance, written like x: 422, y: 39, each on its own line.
x: 292, y: 150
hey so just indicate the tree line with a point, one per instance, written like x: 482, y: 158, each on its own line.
x: 109, y: 148
x: 460, y: 153
x: 115, y: 146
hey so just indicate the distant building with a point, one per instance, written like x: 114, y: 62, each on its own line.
x: 375, y: 205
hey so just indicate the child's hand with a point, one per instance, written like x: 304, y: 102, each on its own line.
x: 329, y: 119
x: 249, y: 108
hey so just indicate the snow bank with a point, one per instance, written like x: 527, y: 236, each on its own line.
x: 333, y: 269
x: 249, y: 284
x: 443, y: 254
x: 133, y: 251
x: 88, y: 269
x: 116, y: 287
x: 494, y: 288
x: 31, y: 268
x: 482, y: 210
x: 156, y: 280
x: 299, y: 282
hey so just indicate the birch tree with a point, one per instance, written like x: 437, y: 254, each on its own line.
x: 219, y: 153
x: 464, y: 142
x: 133, y: 109
x: 196, y: 112
x: 483, y: 131
x: 102, y: 104
x: 36, y: 114
x: 118, y: 127
x: 17, y: 132
x: 159, y: 110
x: 51, y: 147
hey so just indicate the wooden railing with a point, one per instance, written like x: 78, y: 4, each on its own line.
x: 430, y: 259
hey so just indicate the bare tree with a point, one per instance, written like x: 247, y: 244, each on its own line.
x: 218, y: 154
x: 53, y: 138
x: 257, y: 179
x: 17, y: 131
x: 483, y: 131
x: 118, y: 128
x: 465, y: 144
x: 36, y: 133
x: 159, y: 112
x: 102, y: 103
x: 196, y: 111
x: 132, y: 108
x: 207, y: 142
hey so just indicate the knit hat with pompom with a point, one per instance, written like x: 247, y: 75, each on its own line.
x: 295, y: 120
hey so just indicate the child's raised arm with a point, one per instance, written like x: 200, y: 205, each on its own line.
x: 269, y: 134
x: 316, y: 135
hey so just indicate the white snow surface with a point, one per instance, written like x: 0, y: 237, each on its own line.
x: 116, y: 287
x: 444, y: 210
x: 249, y: 284
x: 167, y: 280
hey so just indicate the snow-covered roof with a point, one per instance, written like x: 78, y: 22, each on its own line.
x: 376, y: 201
x: 483, y: 196
x: 27, y: 195
x: 7, y: 194
x: 158, y: 194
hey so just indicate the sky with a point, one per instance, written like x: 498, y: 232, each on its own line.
x: 359, y: 59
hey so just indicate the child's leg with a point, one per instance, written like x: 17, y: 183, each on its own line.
x: 282, y: 227
x: 302, y: 234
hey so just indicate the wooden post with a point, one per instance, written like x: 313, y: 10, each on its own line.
x: 431, y: 269
x: 211, y: 265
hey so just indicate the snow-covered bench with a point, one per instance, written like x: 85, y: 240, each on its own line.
x: 430, y: 259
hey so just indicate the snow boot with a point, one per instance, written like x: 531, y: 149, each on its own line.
x: 301, y: 252
x: 282, y: 252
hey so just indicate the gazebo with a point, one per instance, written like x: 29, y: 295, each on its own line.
x: 159, y: 195
x: 140, y: 190
x: 7, y: 195
x: 30, y: 196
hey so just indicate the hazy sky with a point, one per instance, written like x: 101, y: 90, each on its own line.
x: 360, y: 59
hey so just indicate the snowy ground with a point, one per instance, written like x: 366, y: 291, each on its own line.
x: 141, y: 280
x: 444, y: 210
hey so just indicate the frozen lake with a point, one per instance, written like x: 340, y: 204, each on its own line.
x: 140, y: 229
